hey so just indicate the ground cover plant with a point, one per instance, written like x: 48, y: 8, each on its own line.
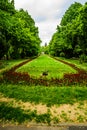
x: 7, y: 64
x: 10, y: 66
x: 44, y: 90
x: 49, y: 105
x: 11, y: 75
x: 79, y: 77
x: 45, y: 63
x: 77, y: 62
x: 21, y: 95
x: 73, y: 74
x: 46, y: 95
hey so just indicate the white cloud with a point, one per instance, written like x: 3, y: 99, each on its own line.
x: 46, y: 29
x: 46, y: 13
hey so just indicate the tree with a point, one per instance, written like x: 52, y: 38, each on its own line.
x: 71, y: 14
x: 19, y: 32
x: 70, y: 39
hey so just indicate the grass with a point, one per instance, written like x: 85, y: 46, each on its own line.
x: 7, y: 64
x: 47, y: 64
x: 15, y: 99
x: 82, y: 65
x: 45, y: 95
x: 18, y: 115
x: 54, y: 98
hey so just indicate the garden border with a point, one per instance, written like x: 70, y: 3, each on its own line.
x: 68, y: 79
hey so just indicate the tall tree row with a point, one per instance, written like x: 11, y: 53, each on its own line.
x: 70, y: 38
x: 18, y: 34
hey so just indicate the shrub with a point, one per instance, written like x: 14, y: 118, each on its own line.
x: 62, y: 54
x: 83, y: 58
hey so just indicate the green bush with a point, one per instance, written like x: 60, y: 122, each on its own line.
x: 83, y: 58
x: 62, y: 54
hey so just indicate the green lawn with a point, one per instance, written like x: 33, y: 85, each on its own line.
x: 76, y: 62
x: 14, y: 111
x: 45, y: 95
x: 7, y: 64
x: 45, y: 63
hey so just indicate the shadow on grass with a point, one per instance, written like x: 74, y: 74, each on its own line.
x: 16, y: 114
x: 8, y: 113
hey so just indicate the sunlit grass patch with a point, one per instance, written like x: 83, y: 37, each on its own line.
x: 82, y: 65
x: 7, y: 64
x: 24, y: 104
x: 44, y: 63
x: 45, y: 95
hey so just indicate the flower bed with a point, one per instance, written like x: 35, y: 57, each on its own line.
x: 79, y: 77
x: 68, y: 79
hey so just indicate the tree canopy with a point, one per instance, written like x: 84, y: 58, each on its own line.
x: 70, y: 38
x: 18, y: 34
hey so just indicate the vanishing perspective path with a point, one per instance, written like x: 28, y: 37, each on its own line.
x: 21, y: 102
x: 52, y: 75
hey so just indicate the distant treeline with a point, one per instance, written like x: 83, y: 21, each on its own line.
x: 70, y: 38
x: 18, y: 34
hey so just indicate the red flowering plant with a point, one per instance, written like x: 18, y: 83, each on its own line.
x: 68, y: 79
x: 79, y: 77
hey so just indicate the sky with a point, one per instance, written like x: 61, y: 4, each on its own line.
x: 47, y: 14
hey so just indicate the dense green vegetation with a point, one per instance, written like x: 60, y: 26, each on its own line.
x: 45, y: 95
x: 43, y: 64
x: 14, y: 97
x: 18, y: 34
x: 70, y: 39
x: 7, y: 64
x: 10, y: 114
x: 82, y: 65
x: 44, y: 80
